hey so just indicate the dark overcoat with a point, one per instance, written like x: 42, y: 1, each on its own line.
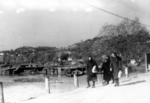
x: 115, y: 65
x: 91, y: 76
x: 106, y: 70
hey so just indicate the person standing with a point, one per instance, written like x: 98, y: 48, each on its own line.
x: 120, y: 61
x: 115, y: 66
x: 111, y: 70
x: 106, y: 70
x: 126, y: 71
x: 91, y: 76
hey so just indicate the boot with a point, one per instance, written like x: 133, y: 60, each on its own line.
x: 113, y: 81
x: 117, y: 82
x: 107, y: 82
x: 112, y: 77
x: 93, y: 86
x: 88, y: 83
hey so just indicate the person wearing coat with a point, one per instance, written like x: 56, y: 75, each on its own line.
x: 106, y: 70
x: 90, y: 75
x: 115, y: 66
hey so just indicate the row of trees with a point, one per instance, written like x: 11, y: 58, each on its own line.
x: 131, y: 39
x: 30, y: 55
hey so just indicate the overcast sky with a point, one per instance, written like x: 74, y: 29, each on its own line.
x: 61, y: 22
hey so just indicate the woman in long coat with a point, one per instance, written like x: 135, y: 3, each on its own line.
x: 106, y: 70
x: 90, y: 75
x: 115, y: 66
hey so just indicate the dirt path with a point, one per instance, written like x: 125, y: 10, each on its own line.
x: 136, y: 90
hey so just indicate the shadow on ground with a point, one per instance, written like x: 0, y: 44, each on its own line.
x: 127, y: 80
x: 133, y: 83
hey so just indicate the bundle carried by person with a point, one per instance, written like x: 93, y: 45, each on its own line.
x: 94, y: 69
x: 120, y: 74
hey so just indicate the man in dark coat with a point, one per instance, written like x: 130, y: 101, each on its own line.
x: 115, y: 66
x: 106, y: 70
x: 90, y: 75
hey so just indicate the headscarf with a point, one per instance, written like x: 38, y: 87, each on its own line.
x: 114, y: 54
x: 91, y: 58
x: 104, y: 57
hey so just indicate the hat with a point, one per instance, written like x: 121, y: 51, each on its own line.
x: 104, y: 56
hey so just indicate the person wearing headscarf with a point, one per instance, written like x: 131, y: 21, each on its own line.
x: 106, y: 70
x: 90, y: 75
x: 114, y: 67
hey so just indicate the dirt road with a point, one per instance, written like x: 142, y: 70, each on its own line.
x: 135, y: 90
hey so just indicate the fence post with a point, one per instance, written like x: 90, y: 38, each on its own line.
x: 59, y: 71
x: 47, y: 83
x: 102, y: 78
x: 146, y: 66
x: 127, y: 72
x: 1, y: 71
x: 76, y: 82
x: 2, y: 93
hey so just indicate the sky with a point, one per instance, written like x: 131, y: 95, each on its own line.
x: 61, y: 23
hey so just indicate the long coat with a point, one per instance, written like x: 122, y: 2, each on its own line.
x: 91, y: 76
x: 106, y: 70
x: 115, y: 65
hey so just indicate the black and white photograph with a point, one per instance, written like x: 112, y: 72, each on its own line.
x: 74, y: 51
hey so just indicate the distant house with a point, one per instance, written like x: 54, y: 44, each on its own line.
x: 1, y: 57
x: 132, y: 61
x: 69, y: 59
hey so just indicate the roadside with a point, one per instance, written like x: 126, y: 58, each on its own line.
x: 134, y: 90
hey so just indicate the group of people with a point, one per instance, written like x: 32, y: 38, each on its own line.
x: 110, y: 68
